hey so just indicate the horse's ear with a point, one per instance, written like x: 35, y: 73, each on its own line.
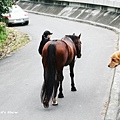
x: 73, y: 33
x: 79, y: 35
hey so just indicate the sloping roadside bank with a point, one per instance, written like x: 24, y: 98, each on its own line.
x: 95, y: 17
x: 14, y: 41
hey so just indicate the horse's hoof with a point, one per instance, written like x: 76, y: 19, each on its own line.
x: 60, y: 96
x: 54, y: 103
x: 46, y: 105
x: 73, y: 89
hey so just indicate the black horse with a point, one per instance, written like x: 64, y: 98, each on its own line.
x: 55, y: 55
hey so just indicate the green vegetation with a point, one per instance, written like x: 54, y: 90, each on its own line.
x: 4, y: 8
x: 3, y: 32
x: 11, y: 39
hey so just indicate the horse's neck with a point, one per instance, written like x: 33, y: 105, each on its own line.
x: 67, y: 40
x: 70, y: 47
x: 69, y: 43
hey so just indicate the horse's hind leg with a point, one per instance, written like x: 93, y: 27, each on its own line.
x: 73, y: 88
x: 60, y: 95
x: 54, y: 100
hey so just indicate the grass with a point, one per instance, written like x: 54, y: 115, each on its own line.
x: 15, y: 39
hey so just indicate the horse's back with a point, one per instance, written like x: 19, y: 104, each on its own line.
x: 64, y: 50
x: 60, y: 51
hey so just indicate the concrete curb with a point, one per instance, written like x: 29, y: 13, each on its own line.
x: 113, y: 108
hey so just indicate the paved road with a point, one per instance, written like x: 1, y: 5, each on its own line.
x: 21, y: 74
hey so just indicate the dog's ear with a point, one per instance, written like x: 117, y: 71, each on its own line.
x: 118, y: 56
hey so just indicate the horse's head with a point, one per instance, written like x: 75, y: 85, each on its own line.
x: 77, y: 42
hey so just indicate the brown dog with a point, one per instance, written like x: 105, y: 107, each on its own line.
x: 115, y: 60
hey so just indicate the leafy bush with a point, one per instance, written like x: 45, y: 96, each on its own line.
x: 3, y: 32
x: 4, y: 8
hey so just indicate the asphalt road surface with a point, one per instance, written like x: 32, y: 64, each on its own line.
x: 21, y: 74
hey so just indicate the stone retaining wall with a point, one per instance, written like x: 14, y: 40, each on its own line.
x: 96, y: 15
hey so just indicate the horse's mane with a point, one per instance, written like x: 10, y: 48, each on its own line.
x: 73, y: 37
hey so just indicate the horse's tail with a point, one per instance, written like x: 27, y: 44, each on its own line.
x: 49, y: 75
